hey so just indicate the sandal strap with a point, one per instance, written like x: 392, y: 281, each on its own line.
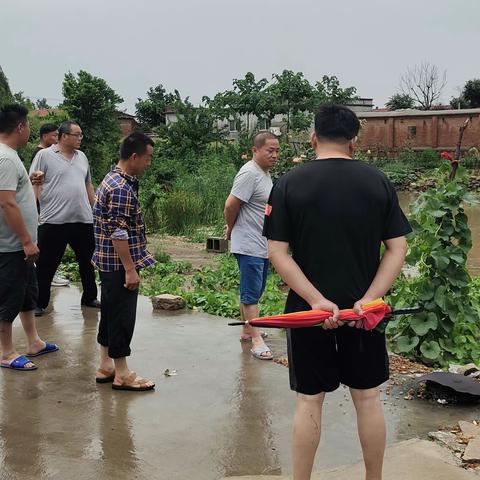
x: 261, y: 349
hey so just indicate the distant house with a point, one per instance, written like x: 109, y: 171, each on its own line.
x: 44, y: 112
x: 276, y: 125
x: 420, y: 129
x: 361, y: 104
x: 128, y: 123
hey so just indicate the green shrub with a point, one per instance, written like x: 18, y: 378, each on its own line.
x: 448, y: 331
x: 181, y: 211
x: 399, y: 174
x: 213, y: 289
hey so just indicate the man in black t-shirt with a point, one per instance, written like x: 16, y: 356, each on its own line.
x: 334, y: 213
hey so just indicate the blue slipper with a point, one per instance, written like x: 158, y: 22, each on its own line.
x: 49, y: 348
x: 19, y: 364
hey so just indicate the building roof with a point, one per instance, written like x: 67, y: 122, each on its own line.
x: 44, y: 112
x: 125, y: 115
x: 417, y: 113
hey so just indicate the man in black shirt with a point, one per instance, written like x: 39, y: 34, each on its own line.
x: 334, y: 213
x: 48, y: 137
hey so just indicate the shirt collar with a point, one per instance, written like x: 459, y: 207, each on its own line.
x: 126, y: 176
x: 56, y: 149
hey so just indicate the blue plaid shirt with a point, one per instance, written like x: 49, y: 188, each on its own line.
x: 117, y: 215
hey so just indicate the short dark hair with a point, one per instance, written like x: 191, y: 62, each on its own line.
x: 261, y: 138
x: 11, y: 116
x: 336, y: 123
x: 65, y: 127
x: 136, y: 142
x: 47, y: 128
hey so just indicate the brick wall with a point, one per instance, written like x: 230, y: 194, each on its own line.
x: 436, y: 130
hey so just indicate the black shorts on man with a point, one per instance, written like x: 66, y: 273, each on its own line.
x: 18, y: 285
x: 335, y: 213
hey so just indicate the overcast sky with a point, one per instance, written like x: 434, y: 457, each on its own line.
x: 199, y: 46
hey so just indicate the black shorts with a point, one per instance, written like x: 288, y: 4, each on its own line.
x: 18, y: 285
x: 320, y: 360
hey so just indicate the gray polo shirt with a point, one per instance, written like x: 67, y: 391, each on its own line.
x: 252, y: 186
x: 63, y: 197
x: 14, y: 177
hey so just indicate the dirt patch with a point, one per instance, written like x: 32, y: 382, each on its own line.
x: 182, y: 249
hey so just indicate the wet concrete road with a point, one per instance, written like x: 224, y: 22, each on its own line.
x: 225, y: 413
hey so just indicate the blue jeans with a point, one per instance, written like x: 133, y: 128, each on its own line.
x: 253, y: 278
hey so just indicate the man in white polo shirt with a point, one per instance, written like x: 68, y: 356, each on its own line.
x: 66, y: 200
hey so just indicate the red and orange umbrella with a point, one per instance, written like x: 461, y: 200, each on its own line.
x: 373, y: 313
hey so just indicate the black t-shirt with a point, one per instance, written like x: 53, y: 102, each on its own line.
x: 334, y: 213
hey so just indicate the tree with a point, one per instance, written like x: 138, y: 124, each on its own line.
x: 5, y: 92
x: 293, y: 93
x: 42, y: 104
x: 93, y: 104
x: 400, y: 101
x: 471, y: 92
x: 459, y: 102
x: 328, y: 90
x: 151, y: 111
x: 20, y: 98
x: 248, y: 92
x: 189, y: 137
x: 424, y: 83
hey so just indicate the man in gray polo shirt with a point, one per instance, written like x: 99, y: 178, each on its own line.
x: 66, y: 200
x: 18, y: 243
x: 244, y: 215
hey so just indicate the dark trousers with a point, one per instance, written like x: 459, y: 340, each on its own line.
x: 119, y: 310
x: 52, y: 242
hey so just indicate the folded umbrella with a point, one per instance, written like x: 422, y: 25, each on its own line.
x: 373, y: 313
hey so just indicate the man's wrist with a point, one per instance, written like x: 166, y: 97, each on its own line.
x: 315, y: 299
x: 26, y: 242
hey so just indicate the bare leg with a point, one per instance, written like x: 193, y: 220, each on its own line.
x: 306, y: 433
x: 34, y: 342
x: 106, y: 363
x: 249, y: 312
x: 9, y: 352
x: 371, y: 430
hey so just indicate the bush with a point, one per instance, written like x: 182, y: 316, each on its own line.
x: 181, y: 211
x: 448, y: 331
x: 212, y: 183
x: 399, y: 174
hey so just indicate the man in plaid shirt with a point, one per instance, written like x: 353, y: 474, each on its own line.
x: 120, y: 253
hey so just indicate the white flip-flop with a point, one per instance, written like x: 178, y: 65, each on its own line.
x: 257, y: 352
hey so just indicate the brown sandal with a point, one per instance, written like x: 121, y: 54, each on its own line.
x: 133, y: 383
x: 109, y: 376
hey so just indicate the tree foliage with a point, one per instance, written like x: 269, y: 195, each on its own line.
x: 190, y: 135
x: 400, y: 101
x: 151, y: 111
x: 21, y: 99
x: 93, y: 104
x: 5, y: 92
x: 42, y: 104
x: 470, y: 96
